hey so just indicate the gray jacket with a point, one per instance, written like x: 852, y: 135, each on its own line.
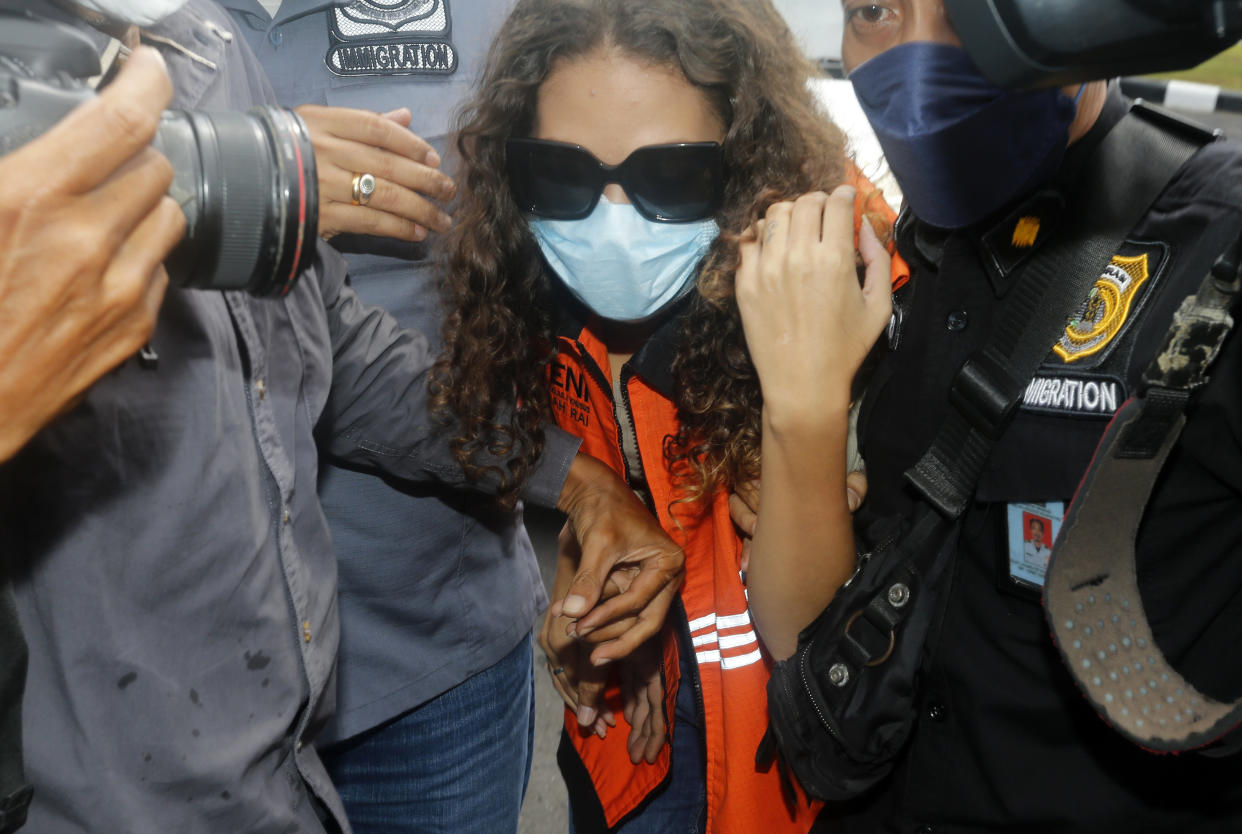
x: 434, y: 588
x: 172, y: 565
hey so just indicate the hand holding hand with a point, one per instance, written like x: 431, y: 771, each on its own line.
x: 408, y: 185
x: 579, y: 683
x: 621, y: 543
x: 642, y: 693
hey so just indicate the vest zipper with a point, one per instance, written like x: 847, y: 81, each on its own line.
x: 625, y: 429
x: 627, y: 435
x: 685, y: 645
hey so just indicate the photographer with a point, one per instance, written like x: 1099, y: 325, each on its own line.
x: 1003, y: 739
x: 170, y: 560
x: 71, y: 315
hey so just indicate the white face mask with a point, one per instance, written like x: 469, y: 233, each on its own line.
x: 622, y: 266
x: 139, y: 12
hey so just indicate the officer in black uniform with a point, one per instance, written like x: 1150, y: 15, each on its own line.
x: 1004, y: 740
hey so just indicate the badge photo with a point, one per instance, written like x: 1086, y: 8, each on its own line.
x: 1032, y: 528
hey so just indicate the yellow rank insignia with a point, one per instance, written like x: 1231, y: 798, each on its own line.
x: 1104, y: 313
x: 1026, y: 232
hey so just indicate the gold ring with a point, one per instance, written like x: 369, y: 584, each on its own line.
x: 363, y: 188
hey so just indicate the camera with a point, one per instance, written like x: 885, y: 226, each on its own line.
x: 245, y: 181
x: 1028, y: 43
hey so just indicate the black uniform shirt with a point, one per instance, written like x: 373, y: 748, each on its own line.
x: 1004, y: 741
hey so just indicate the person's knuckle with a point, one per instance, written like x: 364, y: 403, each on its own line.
x: 371, y: 222
x: 145, y: 319
x: 89, y: 244
x: 772, y: 270
x: 158, y: 170
x: 836, y: 258
x: 586, y: 577
x: 174, y: 217
x: 127, y: 287
x: 385, y: 168
x: 132, y: 119
x: 375, y: 129
x: 416, y: 209
x: 779, y: 210
x: 799, y: 262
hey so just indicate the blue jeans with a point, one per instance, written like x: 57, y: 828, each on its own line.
x: 458, y: 763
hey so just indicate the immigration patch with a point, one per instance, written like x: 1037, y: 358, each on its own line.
x: 1107, y: 308
x: 391, y: 37
x: 1074, y: 396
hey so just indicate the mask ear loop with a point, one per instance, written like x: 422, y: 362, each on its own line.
x: 1082, y: 88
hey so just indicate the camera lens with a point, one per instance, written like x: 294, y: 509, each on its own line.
x: 248, y: 187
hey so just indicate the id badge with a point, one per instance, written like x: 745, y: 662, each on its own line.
x: 1032, y: 528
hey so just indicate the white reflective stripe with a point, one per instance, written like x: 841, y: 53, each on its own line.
x: 703, y: 622
x: 704, y: 639
x: 741, y: 660
x: 732, y: 641
x: 734, y: 661
x: 1192, y: 96
x: 733, y: 620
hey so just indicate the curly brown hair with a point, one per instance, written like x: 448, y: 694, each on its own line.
x: 492, y: 376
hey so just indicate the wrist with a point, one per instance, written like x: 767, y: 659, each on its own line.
x: 585, y: 478
x: 807, y: 419
x: 11, y: 442
x: 17, y: 431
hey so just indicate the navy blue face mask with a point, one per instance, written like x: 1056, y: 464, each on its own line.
x: 961, y: 147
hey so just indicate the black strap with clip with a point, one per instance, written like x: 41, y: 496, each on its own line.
x: 1133, y: 164
x: 1091, y: 595
x: 1130, y: 168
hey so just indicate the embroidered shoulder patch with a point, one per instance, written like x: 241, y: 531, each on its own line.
x: 1107, y: 309
x: 391, y: 37
x: 1082, y: 395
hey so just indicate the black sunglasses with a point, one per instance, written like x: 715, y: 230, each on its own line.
x: 666, y: 183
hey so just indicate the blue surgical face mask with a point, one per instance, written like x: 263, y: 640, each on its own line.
x: 622, y: 266
x: 961, y: 147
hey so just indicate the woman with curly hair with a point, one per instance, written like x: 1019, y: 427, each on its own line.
x: 589, y: 282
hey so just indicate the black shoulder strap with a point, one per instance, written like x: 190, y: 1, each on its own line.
x: 1091, y: 595
x: 1127, y: 172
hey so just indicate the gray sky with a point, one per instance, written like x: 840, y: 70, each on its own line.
x: 817, y: 23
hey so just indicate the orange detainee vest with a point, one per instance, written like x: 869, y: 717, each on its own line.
x: 733, y: 670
